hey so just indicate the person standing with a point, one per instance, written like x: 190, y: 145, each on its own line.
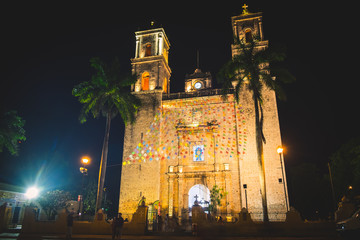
x: 117, y: 226
x: 160, y: 223
x: 69, y: 223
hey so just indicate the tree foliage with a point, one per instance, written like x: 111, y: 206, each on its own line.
x: 52, y: 201
x: 309, y: 191
x: 216, y: 195
x: 89, y: 199
x: 345, y: 167
x: 11, y: 131
x: 108, y: 93
x: 254, y: 69
x: 251, y: 69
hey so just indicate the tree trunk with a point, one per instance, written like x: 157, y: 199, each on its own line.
x: 260, y: 155
x: 102, y: 170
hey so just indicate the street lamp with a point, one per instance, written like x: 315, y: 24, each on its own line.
x: 280, y: 151
x: 84, y: 161
x: 246, y: 203
x: 32, y: 192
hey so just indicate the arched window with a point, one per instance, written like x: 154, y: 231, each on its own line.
x: 145, y: 81
x: 148, y: 50
x: 248, y: 36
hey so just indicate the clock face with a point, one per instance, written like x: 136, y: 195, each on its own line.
x: 198, y: 85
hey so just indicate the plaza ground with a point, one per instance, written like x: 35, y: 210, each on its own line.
x: 13, y: 236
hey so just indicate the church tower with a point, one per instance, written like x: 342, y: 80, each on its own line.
x: 151, y: 67
x: 150, y: 63
x: 246, y: 27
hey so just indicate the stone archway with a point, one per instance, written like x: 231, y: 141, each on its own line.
x: 202, y: 193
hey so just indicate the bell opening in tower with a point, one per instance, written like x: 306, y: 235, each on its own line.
x: 248, y: 36
x: 148, y: 50
x: 145, y: 81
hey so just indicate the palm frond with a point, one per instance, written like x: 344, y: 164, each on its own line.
x: 107, y: 92
x: 11, y: 131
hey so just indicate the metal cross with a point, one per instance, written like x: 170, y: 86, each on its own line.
x: 196, y: 197
x: 245, y: 11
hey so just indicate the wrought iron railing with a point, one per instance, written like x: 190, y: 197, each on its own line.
x: 201, y: 93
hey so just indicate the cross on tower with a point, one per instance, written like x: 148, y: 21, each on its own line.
x: 245, y: 10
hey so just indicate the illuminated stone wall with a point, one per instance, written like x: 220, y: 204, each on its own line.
x: 159, y: 164
x: 179, y: 143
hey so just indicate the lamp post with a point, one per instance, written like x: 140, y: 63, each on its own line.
x: 246, y: 203
x: 280, y: 151
x: 84, y: 161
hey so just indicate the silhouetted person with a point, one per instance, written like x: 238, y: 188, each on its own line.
x: 69, y: 223
x: 160, y: 223
x: 117, y: 226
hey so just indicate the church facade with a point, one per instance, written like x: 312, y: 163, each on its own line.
x: 183, y: 144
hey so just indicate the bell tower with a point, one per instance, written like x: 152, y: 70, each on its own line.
x: 248, y: 27
x: 150, y: 63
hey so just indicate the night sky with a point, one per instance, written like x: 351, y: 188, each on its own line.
x: 46, y: 48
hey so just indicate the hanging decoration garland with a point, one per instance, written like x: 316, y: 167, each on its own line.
x: 163, y: 145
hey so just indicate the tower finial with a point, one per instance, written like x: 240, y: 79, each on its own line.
x: 245, y: 10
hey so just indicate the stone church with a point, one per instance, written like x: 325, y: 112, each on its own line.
x: 183, y: 144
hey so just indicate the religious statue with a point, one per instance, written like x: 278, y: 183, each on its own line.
x: 142, y: 202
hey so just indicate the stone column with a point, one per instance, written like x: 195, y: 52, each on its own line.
x: 260, y: 30
x: 171, y: 194
x: 160, y: 44
x: 180, y: 196
x: 236, y: 108
x: 228, y: 190
x: 137, y: 47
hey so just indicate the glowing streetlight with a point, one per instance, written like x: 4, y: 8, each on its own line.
x: 32, y: 192
x: 85, y: 160
x: 280, y: 150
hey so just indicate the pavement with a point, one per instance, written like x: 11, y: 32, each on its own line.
x: 13, y: 236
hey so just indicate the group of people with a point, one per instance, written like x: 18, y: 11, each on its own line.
x: 167, y: 224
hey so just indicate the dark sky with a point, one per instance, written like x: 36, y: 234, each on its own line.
x: 45, y: 51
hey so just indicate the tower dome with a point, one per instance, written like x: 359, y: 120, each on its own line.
x: 197, y: 81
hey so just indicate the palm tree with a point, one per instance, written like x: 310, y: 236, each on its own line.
x: 251, y: 69
x: 11, y: 131
x: 107, y: 93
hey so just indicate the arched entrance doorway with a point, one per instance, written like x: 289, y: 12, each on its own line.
x: 202, y: 194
